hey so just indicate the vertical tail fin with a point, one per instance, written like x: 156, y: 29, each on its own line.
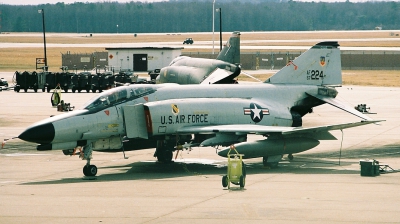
x: 231, y: 51
x: 320, y: 65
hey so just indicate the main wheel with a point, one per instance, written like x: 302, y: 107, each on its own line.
x: 290, y: 157
x: 90, y: 170
x: 271, y: 165
x: 225, y: 181
x: 164, y: 156
x: 265, y: 160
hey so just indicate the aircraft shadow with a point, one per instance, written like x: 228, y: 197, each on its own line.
x: 303, y: 163
x: 371, y: 152
x: 144, y: 170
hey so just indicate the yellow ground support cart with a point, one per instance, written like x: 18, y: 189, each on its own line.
x: 56, y: 96
x: 236, y: 169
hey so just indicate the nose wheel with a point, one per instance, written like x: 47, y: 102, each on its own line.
x: 90, y: 170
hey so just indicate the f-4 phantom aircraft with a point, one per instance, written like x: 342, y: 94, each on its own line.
x: 188, y: 70
x: 170, y: 116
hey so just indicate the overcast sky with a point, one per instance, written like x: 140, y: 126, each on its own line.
x: 37, y: 2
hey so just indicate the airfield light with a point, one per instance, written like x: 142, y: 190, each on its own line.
x: 220, y: 29
x: 41, y: 11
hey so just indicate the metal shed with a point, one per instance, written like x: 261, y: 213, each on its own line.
x: 141, y: 59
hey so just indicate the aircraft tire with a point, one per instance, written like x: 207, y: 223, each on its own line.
x: 265, y: 159
x: 164, y: 156
x: 90, y: 170
x: 169, y: 155
x: 271, y: 165
x: 225, y: 181
x: 290, y: 157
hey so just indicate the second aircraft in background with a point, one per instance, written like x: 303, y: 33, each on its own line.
x: 188, y: 70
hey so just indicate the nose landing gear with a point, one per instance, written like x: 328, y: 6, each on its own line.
x: 88, y: 170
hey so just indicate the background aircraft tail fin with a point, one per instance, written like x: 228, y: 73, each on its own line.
x: 320, y: 65
x: 231, y: 51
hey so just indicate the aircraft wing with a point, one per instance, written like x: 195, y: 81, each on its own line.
x: 301, y: 130
x: 340, y: 105
x: 217, y: 75
x: 264, y: 130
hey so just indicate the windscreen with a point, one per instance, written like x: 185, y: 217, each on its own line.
x: 118, y: 95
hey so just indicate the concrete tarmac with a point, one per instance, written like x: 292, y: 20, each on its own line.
x: 322, y: 185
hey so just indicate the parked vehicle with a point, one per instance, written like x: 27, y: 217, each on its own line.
x: 153, y: 74
x: 29, y: 80
x: 3, y: 84
x: 188, y: 41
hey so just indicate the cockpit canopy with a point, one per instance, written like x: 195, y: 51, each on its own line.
x: 177, y: 59
x: 118, y: 95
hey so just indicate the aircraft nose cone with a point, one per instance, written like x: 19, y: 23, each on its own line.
x: 43, y: 133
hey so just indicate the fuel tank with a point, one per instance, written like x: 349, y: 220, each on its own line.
x: 272, y: 146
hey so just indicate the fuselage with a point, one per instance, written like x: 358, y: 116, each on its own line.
x: 170, y: 107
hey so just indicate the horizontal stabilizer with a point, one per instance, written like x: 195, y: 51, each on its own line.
x: 340, y: 105
x: 216, y: 76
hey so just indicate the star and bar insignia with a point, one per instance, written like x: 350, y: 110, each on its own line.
x: 256, y: 112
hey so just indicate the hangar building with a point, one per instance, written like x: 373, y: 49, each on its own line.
x: 141, y: 59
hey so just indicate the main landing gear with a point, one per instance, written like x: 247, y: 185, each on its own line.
x: 273, y: 161
x: 163, y: 153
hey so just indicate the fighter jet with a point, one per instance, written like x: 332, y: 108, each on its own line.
x: 188, y: 70
x: 170, y: 116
